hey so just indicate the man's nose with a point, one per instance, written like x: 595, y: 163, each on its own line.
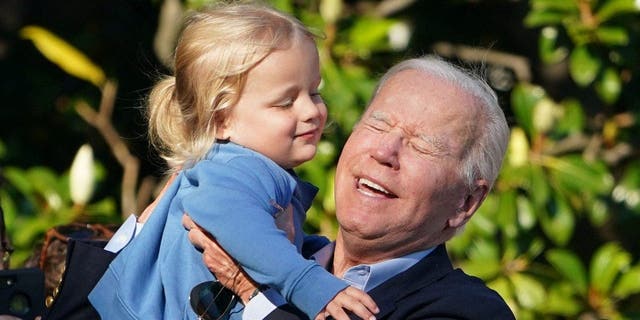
x: 387, y: 149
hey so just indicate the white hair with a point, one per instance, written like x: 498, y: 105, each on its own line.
x: 486, y: 151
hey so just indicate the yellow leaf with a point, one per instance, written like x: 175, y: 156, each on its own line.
x: 64, y: 55
x: 330, y: 10
x: 518, y: 151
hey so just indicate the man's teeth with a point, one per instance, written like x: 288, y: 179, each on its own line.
x: 372, y: 185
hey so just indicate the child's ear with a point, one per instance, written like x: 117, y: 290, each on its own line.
x: 224, y: 130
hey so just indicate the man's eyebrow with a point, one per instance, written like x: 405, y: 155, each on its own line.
x: 379, y: 115
x: 438, y: 144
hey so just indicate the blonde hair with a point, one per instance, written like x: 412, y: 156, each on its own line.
x: 217, y: 48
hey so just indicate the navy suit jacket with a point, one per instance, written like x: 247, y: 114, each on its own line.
x: 431, y: 289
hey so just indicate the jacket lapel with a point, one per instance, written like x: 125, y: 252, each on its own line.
x: 422, y: 274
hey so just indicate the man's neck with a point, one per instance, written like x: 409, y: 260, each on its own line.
x: 349, y: 253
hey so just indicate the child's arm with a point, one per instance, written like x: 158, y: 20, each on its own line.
x: 233, y: 201
x: 226, y: 271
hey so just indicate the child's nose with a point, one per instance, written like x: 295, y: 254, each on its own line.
x: 311, y: 109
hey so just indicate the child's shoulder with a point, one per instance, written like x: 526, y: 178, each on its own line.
x: 233, y: 160
x: 231, y: 153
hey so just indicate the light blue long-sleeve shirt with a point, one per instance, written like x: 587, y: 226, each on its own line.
x: 231, y: 194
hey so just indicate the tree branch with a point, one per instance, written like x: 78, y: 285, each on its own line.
x: 101, y: 120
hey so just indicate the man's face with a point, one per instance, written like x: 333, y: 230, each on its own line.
x: 398, y: 181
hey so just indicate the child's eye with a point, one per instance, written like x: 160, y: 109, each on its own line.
x: 284, y: 104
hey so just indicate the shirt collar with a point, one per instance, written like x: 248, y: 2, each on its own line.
x: 369, y: 276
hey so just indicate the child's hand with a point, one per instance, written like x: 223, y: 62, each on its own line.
x: 352, y: 299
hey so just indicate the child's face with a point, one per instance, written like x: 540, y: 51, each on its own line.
x: 280, y: 112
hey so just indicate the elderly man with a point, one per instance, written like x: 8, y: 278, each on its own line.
x: 415, y: 169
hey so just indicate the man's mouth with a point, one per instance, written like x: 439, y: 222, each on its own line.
x: 369, y: 187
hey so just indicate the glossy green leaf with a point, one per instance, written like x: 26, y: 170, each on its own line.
x: 543, y: 18
x: 628, y: 284
x: 482, y: 223
x: 329, y: 201
x: 574, y: 174
x: 506, y: 214
x: 598, y: 211
x: 536, y: 247
x: 526, y: 213
x: 570, y: 267
x: 609, y: 86
x: 326, y: 153
x: 483, y: 259
x: 627, y: 191
x: 612, y: 8
x: 606, y: 264
x: 368, y: 34
x: 612, y: 36
x: 558, y: 221
x: 631, y: 177
x: 28, y: 231
x: 19, y: 179
x: 583, y: 66
x: 513, y: 251
x: 102, y: 208
x: 528, y: 290
x: 341, y: 101
x: 559, y: 5
x: 44, y: 180
x: 524, y: 98
x: 484, y: 250
x: 545, y: 114
x: 283, y: 5
x: 9, y: 208
x: 361, y: 82
x: 562, y: 300
x: 539, y: 188
x: 548, y: 50
x: 503, y: 287
x: 482, y: 269
x: 457, y: 246
x: 573, y: 119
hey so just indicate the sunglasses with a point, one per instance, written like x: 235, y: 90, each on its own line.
x: 210, y: 300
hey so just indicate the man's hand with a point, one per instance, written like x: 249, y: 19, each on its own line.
x: 226, y: 270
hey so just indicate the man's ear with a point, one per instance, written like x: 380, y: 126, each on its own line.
x: 470, y: 204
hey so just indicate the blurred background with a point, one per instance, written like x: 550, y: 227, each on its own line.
x: 557, y: 238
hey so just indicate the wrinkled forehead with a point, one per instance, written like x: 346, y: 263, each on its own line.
x: 428, y: 106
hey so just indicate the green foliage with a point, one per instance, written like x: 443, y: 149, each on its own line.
x: 557, y: 235
x: 597, y: 30
x: 37, y: 200
x: 559, y: 175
